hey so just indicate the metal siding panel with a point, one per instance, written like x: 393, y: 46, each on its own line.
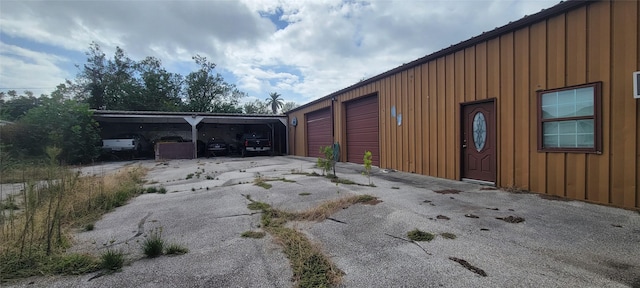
x: 599, y: 69
x: 493, y: 74
x: 460, y: 74
x: 470, y: 74
x: 390, y: 124
x: 537, y: 78
x: 638, y: 121
x: 402, y: 89
x: 521, y: 102
x: 426, y: 114
x: 411, y: 119
x: 362, y: 129
x: 623, y: 122
x: 506, y: 116
x: 382, y: 121
x: 556, y: 72
x: 442, y: 118
x: 481, y: 71
x: 318, y: 131
x: 450, y: 106
x: 394, y: 127
x: 576, y: 74
x: 433, y: 120
x: 419, y: 119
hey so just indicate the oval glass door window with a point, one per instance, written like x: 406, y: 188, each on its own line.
x: 479, y: 131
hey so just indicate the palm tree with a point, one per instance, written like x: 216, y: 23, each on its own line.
x: 275, y: 102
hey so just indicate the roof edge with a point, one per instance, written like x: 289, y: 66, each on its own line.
x: 167, y: 113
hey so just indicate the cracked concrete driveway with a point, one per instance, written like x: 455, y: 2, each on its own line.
x: 559, y: 243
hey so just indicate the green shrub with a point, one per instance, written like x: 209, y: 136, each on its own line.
x: 448, y: 235
x: 153, y: 245
x: 75, y: 264
x: 258, y: 206
x: 112, y: 260
x: 253, y: 234
x: 417, y: 235
x: 175, y: 249
x: 368, y: 160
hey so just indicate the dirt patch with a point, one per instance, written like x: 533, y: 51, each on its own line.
x: 488, y: 188
x: 372, y: 202
x: 448, y: 191
x: 443, y: 217
x: 511, y: 219
x: 467, y: 265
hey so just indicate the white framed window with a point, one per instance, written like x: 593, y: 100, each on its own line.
x: 569, y: 119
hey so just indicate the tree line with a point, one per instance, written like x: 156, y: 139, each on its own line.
x: 63, y: 119
x: 121, y: 83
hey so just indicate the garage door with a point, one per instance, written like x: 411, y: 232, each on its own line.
x: 362, y: 129
x: 318, y: 131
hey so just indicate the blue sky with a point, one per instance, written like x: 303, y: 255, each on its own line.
x: 302, y: 49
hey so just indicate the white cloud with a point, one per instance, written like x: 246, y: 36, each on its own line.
x: 23, y: 69
x: 326, y: 46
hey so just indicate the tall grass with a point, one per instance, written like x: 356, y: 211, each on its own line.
x: 33, y: 239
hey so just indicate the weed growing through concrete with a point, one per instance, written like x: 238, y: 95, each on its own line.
x: 253, y: 234
x: 394, y: 187
x: 313, y: 173
x: 368, y: 160
x: 304, y: 194
x: 189, y: 176
x: 417, y: 235
x: 311, y: 268
x: 262, y: 183
x: 112, y: 260
x: 255, y: 205
x: 175, y: 249
x: 328, y: 162
x: 153, y: 245
x: 341, y: 181
x: 75, y: 264
x: 89, y: 227
x: 447, y: 235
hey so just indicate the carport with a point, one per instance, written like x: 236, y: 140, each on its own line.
x: 196, y: 125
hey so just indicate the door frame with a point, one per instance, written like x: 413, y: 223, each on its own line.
x: 495, y: 139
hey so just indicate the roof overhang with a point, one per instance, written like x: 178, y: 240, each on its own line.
x: 108, y: 116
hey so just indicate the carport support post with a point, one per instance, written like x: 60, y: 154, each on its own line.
x: 273, y: 139
x: 194, y: 120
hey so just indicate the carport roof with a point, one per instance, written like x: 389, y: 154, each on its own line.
x: 179, y: 117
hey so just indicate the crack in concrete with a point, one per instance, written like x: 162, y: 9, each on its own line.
x: 336, y: 220
x: 238, y: 215
x: 138, y: 233
x: 410, y: 241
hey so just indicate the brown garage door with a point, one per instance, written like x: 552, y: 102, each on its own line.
x: 318, y: 131
x: 362, y: 129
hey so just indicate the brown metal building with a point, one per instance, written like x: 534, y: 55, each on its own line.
x: 544, y: 104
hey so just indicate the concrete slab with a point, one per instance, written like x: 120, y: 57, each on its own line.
x: 559, y: 244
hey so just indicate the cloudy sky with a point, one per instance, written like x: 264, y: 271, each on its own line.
x: 302, y: 49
